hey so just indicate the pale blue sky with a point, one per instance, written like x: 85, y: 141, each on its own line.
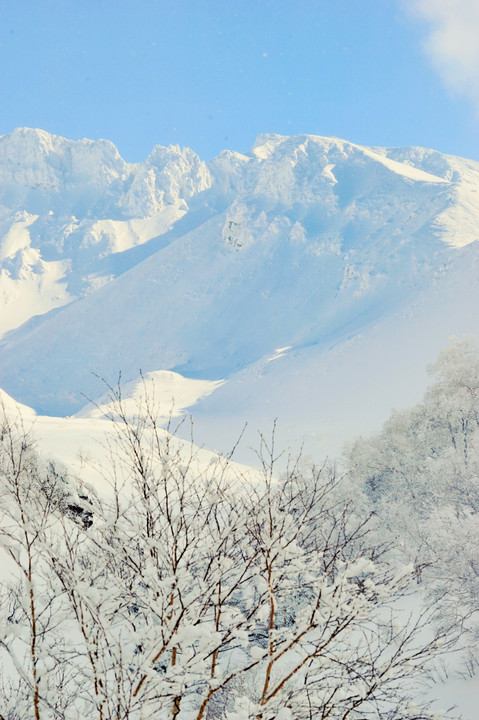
x: 215, y: 73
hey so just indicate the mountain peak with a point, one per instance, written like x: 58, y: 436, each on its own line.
x: 266, y: 144
x: 49, y: 143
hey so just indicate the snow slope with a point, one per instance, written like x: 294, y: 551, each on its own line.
x: 357, y: 263
x: 170, y: 392
x: 347, y: 384
x: 83, y: 444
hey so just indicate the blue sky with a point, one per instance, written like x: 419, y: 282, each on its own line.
x: 213, y: 74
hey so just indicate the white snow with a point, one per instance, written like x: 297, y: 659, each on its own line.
x: 17, y: 238
x: 406, y: 171
x: 65, y: 205
x: 310, y: 281
x: 172, y: 394
x: 316, y: 276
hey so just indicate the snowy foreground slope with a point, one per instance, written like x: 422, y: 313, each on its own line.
x: 317, y: 278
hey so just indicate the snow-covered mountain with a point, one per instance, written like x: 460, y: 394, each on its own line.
x: 65, y: 207
x: 315, y: 276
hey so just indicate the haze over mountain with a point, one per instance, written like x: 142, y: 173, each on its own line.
x: 315, y: 276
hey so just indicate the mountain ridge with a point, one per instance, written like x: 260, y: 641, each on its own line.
x: 301, y: 239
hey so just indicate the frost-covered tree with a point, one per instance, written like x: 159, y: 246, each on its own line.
x: 190, y: 591
x: 30, y: 643
x: 422, y: 474
x: 428, y: 456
